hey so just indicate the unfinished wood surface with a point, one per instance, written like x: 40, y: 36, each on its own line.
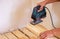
x: 28, y: 33
x: 3, y: 37
x: 41, y: 28
x: 20, y: 35
x: 10, y: 36
x: 35, y: 29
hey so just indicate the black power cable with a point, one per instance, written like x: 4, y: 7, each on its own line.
x: 51, y: 18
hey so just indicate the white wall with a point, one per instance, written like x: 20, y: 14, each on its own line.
x: 13, y: 14
x: 56, y: 10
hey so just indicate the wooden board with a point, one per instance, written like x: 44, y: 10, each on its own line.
x: 35, y: 29
x: 10, y: 36
x: 41, y: 28
x: 20, y: 35
x: 28, y: 33
x: 3, y: 37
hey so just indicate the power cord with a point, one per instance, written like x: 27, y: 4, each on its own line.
x: 51, y: 18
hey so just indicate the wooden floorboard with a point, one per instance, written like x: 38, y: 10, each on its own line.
x: 20, y: 35
x: 29, y: 32
x: 10, y: 36
x: 3, y: 37
x: 35, y: 29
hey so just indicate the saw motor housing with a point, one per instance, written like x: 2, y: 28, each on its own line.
x: 40, y: 14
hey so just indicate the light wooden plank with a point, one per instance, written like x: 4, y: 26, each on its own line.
x: 10, y: 36
x: 34, y: 29
x: 27, y: 32
x: 20, y: 35
x: 3, y: 37
x: 41, y: 28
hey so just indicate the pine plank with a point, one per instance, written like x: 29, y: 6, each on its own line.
x: 27, y: 32
x: 20, y: 35
x: 11, y: 36
x: 3, y: 37
x: 35, y: 29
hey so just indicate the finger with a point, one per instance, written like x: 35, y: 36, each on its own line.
x: 43, y: 35
x: 41, y: 8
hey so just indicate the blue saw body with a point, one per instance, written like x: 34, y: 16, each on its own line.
x: 40, y: 14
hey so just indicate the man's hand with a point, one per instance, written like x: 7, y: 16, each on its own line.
x: 45, y: 2
x: 42, y: 4
x: 50, y: 33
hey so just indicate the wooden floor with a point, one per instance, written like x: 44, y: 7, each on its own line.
x: 29, y: 32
